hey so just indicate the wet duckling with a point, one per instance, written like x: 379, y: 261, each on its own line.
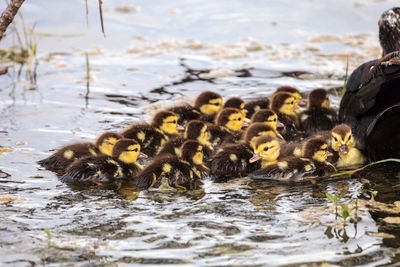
x: 205, y: 108
x: 195, y: 130
x: 104, y: 169
x: 269, y: 117
x: 342, y: 141
x: 152, y: 136
x: 267, y: 149
x: 237, y: 102
x: 319, y: 116
x: 298, y: 99
x: 232, y: 160
x: 182, y: 172
x: 229, y: 123
x: 283, y: 104
x: 255, y: 105
x: 65, y: 156
x: 316, y: 149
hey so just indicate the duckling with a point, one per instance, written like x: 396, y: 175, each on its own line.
x: 205, y: 108
x: 316, y: 149
x: 182, y: 172
x: 319, y: 116
x: 269, y: 117
x: 237, y: 102
x: 195, y: 130
x: 65, y: 156
x: 267, y: 149
x: 255, y: 105
x: 232, y: 160
x: 342, y: 141
x: 283, y: 104
x: 298, y: 99
x: 104, y: 169
x: 229, y: 123
x: 152, y: 136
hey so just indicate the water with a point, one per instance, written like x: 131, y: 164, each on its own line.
x: 156, y: 55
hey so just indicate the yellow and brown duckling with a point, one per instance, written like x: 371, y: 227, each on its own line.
x: 227, y: 128
x: 237, y: 102
x: 343, y: 143
x: 205, y: 108
x: 183, y: 172
x: 317, y: 150
x: 104, y: 169
x: 267, y: 149
x: 152, y: 136
x: 283, y: 104
x: 255, y: 105
x: 195, y: 130
x: 232, y: 160
x: 65, y: 156
x: 319, y: 116
x: 298, y: 99
x: 268, y: 116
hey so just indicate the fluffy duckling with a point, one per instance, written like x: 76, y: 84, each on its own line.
x: 229, y: 123
x: 316, y: 149
x: 342, y: 141
x: 104, y: 169
x: 195, y: 130
x: 275, y: 168
x: 237, y: 102
x: 232, y: 160
x: 269, y: 117
x: 255, y: 105
x: 267, y: 149
x: 283, y: 104
x: 298, y: 99
x: 65, y: 156
x: 182, y: 172
x: 205, y: 108
x: 319, y: 116
x: 151, y: 136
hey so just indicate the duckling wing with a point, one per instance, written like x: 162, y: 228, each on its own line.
x: 172, y: 146
x: 255, y: 105
x: 185, y: 113
x: 314, y: 120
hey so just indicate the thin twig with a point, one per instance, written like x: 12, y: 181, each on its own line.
x: 101, y: 17
x: 8, y: 15
x: 87, y: 14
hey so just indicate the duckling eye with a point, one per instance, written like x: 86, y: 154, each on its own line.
x: 216, y: 104
x: 135, y: 150
x: 334, y: 138
x: 266, y: 148
x: 274, y: 119
x: 291, y: 103
x: 174, y: 121
x: 239, y: 119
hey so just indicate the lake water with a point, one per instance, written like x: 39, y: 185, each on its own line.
x: 161, y: 53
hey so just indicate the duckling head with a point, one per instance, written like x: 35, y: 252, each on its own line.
x: 294, y: 92
x: 192, y: 151
x: 283, y: 103
x: 267, y: 116
x: 167, y: 122
x: 127, y: 150
x: 237, y: 102
x: 316, y: 148
x: 318, y: 98
x: 208, y: 102
x: 267, y: 148
x: 197, y: 130
x: 231, y: 118
x: 257, y: 129
x: 342, y: 139
x: 105, y: 142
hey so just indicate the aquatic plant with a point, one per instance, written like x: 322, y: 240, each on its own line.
x: 345, y: 77
x: 49, y: 244
x: 335, y: 200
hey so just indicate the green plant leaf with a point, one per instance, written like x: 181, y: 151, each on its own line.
x: 350, y: 172
x: 330, y: 197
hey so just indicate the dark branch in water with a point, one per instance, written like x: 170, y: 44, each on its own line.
x: 101, y: 17
x: 87, y: 14
x: 8, y: 15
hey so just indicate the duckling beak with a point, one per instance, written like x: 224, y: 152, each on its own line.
x: 302, y: 103
x: 329, y: 154
x: 245, y: 124
x: 295, y: 107
x: 246, y: 111
x: 280, y: 125
x: 344, y: 149
x: 142, y: 156
x: 180, y: 127
x: 255, y: 158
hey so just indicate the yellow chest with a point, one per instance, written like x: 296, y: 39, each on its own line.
x: 354, y: 157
